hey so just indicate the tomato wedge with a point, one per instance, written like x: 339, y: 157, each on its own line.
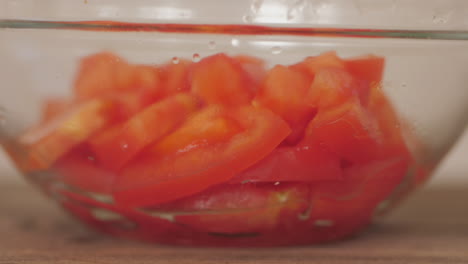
x: 232, y: 209
x: 294, y: 164
x: 347, y: 130
x: 363, y: 188
x: 48, y: 142
x: 221, y: 80
x: 331, y: 87
x: 254, y: 67
x: 207, y: 127
x: 155, y: 179
x: 388, y: 123
x: 105, y: 74
x: 117, y: 145
x: 368, y: 68
x: 314, y: 63
x: 80, y: 169
x: 284, y: 91
x: 175, y: 77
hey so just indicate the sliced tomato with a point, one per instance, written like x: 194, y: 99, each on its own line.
x: 207, y: 127
x: 253, y: 66
x: 48, y: 142
x: 105, y: 74
x: 284, y: 91
x: 363, y: 188
x: 368, y: 68
x: 314, y: 63
x: 388, y: 121
x: 117, y: 145
x: 175, y: 77
x: 294, y: 164
x: 232, y: 209
x: 80, y: 169
x: 347, y: 130
x: 155, y: 179
x: 221, y: 80
x: 54, y: 107
x: 331, y: 87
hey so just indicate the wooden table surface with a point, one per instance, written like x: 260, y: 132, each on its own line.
x: 432, y: 227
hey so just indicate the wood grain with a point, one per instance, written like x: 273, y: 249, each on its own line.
x: 432, y: 227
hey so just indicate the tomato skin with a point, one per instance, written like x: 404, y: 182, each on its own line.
x: 181, y: 174
x: 117, y: 145
x: 49, y: 141
x: 294, y: 164
x: 221, y: 80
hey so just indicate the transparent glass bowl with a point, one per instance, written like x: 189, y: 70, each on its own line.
x: 385, y: 136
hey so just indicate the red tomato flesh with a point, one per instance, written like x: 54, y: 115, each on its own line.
x: 221, y: 80
x: 116, y: 146
x: 154, y: 179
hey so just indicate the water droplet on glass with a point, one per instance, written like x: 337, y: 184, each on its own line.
x: 212, y: 45
x: 235, y: 42
x: 247, y: 19
x: 175, y: 60
x: 276, y: 50
x: 196, y: 57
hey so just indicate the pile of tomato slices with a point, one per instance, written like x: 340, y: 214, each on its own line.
x: 227, y: 144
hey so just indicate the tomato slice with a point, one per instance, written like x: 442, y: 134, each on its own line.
x: 220, y: 80
x: 284, y: 91
x: 347, y: 130
x: 105, y: 74
x: 80, y: 170
x: 253, y: 66
x: 294, y: 164
x: 50, y: 141
x: 363, y: 188
x: 331, y: 87
x: 175, y: 77
x: 207, y: 127
x: 314, y: 63
x: 232, y: 209
x: 388, y: 123
x: 155, y: 179
x: 117, y: 145
x: 368, y: 68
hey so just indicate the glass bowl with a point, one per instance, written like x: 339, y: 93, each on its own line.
x: 247, y: 123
